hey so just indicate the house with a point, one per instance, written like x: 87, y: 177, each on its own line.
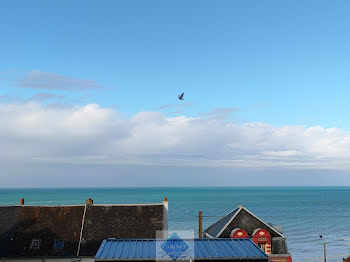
x: 241, y: 223
x: 200, y: 250
x: 74, y: 232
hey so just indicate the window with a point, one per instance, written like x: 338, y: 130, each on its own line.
x: 262, y: 246
x: 35, y: 244
x: 59, y: 244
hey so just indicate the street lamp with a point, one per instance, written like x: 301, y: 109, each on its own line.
x: 324, y: 248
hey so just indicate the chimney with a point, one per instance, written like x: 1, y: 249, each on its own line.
x: 89, y: 201
x: 165, y: 218
x: 22, y: 202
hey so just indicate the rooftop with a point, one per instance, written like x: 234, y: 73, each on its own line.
x: 58, y: 231
x: 202, y: 249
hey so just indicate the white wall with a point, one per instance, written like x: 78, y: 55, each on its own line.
x: 165, y: 218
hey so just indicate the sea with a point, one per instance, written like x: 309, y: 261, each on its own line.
x: 304, y: 213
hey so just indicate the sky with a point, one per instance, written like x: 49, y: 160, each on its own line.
x: 88, y: 93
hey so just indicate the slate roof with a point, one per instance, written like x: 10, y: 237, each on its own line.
x: 198, y: 249
x: 239, y: 218
x: 214, y: 229
x: 19, y: 225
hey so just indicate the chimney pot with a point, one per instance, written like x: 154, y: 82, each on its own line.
x: 22, y: 201
x: 89, y: 201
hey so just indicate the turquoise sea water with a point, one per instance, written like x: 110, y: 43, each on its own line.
x: 303, y: 212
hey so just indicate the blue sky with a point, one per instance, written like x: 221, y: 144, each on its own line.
x: 278, y: 63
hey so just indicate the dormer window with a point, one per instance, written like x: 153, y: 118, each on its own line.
x: 262, y: 238
x: 238, y: 233
x: 59, y: 244
x: 35, y: 244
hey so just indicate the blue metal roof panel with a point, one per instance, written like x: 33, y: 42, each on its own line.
x: 246, y: 249
x: 99, y: 251
x: 222, y: 248
x: 234, y: 248
x: 234, y: 251
x: 204, y: 248
x: 241, y: 248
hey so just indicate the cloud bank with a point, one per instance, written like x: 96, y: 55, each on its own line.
x: 51, y: 81
x: 94, y: 135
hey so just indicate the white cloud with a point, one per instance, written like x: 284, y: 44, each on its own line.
x: 94, y: 135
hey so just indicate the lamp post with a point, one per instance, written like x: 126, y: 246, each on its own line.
x: 324, y: 249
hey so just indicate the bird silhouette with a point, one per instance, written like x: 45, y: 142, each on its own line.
x: 181, y: 97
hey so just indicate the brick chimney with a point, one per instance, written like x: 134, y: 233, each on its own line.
x: 89, y: 201
x: 22, y: 202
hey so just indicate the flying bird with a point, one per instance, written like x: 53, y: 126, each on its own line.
x: 181, y: 97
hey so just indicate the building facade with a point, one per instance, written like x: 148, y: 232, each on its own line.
x: 241, y: 223
x: 75, y: 232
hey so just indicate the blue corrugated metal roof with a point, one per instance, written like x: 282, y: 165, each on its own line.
x: 202, y: 249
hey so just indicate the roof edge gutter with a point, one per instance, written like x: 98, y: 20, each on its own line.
x: 186, y: 259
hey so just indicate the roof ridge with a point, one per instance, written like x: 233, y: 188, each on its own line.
x: 279, y: 233
x: 82, y: 205
x: 238, y: 209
